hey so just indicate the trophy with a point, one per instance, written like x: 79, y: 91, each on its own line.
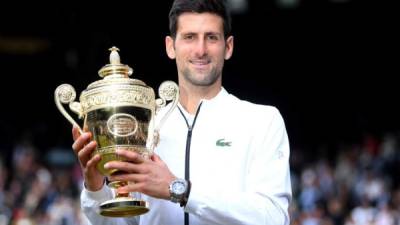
x: 120, y: 113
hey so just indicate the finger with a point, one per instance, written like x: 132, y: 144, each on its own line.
x: 156, y: 158
x: 92, y: 163
x: 75, y: 132
x: 130, y: 156
x: 131, y: 187
x: 81, y: 142
x: 131, y: 177
x: 125, y: 167
x: 85, y: 153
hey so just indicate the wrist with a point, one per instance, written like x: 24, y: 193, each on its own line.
x: 179, y: 190
x: 93, y: 186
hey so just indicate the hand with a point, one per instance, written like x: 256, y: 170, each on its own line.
x: 150, y: 176
x: 83, y: 148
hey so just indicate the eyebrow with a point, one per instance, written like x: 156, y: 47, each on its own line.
x: 207, y: 33
x: 213, y: 33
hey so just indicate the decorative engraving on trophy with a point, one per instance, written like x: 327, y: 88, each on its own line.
x: 94, y: 100
x: 167, y: 90
x: 122, y: 124
x: 111, y: 149
x: 117, y: 126
x: 66, y: 93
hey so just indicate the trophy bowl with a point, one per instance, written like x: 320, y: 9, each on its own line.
x: 119, y: 112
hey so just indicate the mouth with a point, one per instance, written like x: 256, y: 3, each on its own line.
x: 200, y: 63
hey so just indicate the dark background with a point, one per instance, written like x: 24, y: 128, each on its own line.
x: 330, y: 67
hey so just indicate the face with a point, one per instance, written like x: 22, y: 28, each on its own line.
x: 199, y: 48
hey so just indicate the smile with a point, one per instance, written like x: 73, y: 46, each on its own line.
x: 200, y: 62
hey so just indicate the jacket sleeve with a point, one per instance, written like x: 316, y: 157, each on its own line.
x: 90, y: 202
x: 267, y: 192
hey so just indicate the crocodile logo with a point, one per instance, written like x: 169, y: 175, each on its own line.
x: 222, y: 143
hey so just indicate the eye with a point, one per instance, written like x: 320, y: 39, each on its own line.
x: 213, y: 37
x: 188, y: 37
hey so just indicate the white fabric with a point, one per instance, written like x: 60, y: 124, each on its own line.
x: 246, y: 181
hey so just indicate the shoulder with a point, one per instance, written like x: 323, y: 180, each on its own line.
x: 254, y: 109
x: 259, y: 116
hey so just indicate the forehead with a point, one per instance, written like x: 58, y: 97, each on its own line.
x: 199, y: 22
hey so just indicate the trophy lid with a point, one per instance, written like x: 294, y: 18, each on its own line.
x: 116, y: 88
x: 115, y: 72
x: 115, y: 68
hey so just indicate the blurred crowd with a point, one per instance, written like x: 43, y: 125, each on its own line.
x: 39, y: 188
x: 352, y: 184
x: 347, y: 184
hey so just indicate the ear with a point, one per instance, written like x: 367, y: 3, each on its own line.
x: 229, y: 47
x: 169, y: 47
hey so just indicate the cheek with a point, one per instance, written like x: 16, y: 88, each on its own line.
x: 218, y: 52
x: 181, y: 54
x: 219, y: 58
x: 182, y: 49
x: 180, y: 63
x: 180, y: 57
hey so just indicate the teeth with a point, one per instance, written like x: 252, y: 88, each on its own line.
x: 200, y: 62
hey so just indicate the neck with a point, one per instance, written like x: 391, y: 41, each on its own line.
x: 190, y: 96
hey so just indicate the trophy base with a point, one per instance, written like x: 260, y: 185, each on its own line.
x: 123, y: 207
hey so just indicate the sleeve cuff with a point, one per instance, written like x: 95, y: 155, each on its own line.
x: 195, y: 203
x: 105, y: 193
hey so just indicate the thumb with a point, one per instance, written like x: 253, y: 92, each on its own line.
x: 75, y: 132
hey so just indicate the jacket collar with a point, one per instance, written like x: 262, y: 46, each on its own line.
x: 222, y: 94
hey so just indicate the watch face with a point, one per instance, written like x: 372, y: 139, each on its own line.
x: 179, y: 187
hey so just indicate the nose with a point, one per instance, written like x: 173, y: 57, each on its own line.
x: 201, y: 48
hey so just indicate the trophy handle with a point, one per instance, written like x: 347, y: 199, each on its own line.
x: 168, y: 91
x: 65, y: 93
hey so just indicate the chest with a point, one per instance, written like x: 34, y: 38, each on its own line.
x: 218, y: 151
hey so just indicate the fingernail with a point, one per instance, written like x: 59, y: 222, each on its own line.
x: 85, y: 135
x: 107, y: 165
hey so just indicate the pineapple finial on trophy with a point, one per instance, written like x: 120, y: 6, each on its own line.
x: 115, y: 69
x: 114, y: 56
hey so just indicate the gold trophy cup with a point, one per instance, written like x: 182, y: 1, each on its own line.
x: 119, y: 112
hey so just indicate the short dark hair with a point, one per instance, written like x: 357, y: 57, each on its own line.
x: 217, y: 7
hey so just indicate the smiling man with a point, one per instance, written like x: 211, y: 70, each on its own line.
x: 221, y: 160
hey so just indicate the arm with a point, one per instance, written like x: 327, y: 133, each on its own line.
x: 95, y: 192
x: 267, y: 189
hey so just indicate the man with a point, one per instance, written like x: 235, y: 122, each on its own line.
x: 233, y: 154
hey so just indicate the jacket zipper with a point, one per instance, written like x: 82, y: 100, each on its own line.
x: 187, y: 153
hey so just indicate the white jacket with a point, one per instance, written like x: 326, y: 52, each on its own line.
x: 244, y: 180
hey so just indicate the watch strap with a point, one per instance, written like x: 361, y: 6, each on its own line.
x: 186, y: 196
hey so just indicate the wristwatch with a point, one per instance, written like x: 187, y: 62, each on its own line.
x: 179, y: 191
